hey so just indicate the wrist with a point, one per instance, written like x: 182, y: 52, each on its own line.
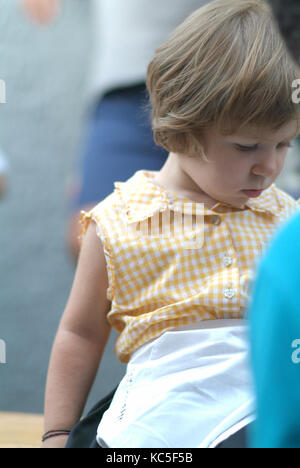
x: 56, y: 433
x: 55, y: 442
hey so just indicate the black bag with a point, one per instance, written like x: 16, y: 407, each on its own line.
x: 83, y: 435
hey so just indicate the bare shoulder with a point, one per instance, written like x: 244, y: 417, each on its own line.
x: 87, y: 307
x: 92, y: 258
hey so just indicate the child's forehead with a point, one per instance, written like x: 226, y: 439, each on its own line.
x: 286, y: 132
x: 250, y: 132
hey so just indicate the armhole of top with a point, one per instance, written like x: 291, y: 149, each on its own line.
x: 85, y: 219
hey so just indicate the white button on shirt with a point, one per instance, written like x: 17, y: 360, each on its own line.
x: 229, y: 293
x: 227, y: 261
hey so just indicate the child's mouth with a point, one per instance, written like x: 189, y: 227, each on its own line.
x: 252, y: 193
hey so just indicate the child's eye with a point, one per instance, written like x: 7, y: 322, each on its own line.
x: 249, y: 148
x: 288, y: 145
x: 246, y: 148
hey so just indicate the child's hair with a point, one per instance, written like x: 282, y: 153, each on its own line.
x: 225, y: 65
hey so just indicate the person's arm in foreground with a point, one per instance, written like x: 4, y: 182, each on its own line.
x: 275, y: 344
x: 79, y: 343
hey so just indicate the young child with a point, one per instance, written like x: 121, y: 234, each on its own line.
x: 220, y: 89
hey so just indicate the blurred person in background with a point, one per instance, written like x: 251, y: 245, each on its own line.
x: 274, y: 311
x: 118, y: 139
x: 275, y: 343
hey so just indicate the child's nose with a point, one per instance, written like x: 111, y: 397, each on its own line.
x: 267, y: 167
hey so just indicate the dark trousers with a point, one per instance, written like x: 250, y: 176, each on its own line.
x: 83, y: 435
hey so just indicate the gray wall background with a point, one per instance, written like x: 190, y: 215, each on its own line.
x: 45, y: 70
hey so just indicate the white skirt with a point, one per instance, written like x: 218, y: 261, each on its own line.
x: 189, y: 388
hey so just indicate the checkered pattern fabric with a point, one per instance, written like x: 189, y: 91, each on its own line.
x: 158, y: 282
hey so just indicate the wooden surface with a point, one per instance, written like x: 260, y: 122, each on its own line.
x: 18, y: 430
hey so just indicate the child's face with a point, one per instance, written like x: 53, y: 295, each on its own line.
x: 240, y: 166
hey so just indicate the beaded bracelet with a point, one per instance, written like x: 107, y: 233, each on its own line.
x: 58, y: 432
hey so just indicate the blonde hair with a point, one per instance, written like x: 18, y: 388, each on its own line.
x: 225, y: 65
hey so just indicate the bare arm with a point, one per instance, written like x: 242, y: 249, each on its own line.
x: 80, y: 341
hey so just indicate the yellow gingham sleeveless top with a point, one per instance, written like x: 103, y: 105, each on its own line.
x: 156, y: 283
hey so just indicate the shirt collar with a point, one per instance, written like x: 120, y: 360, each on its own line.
x: 268, y: 202
x: 142, y: 198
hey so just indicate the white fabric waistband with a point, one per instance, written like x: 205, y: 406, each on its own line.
x: 185, y: 337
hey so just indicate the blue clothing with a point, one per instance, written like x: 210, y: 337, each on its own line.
x: 118, y: 143
x: 274, y: 317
